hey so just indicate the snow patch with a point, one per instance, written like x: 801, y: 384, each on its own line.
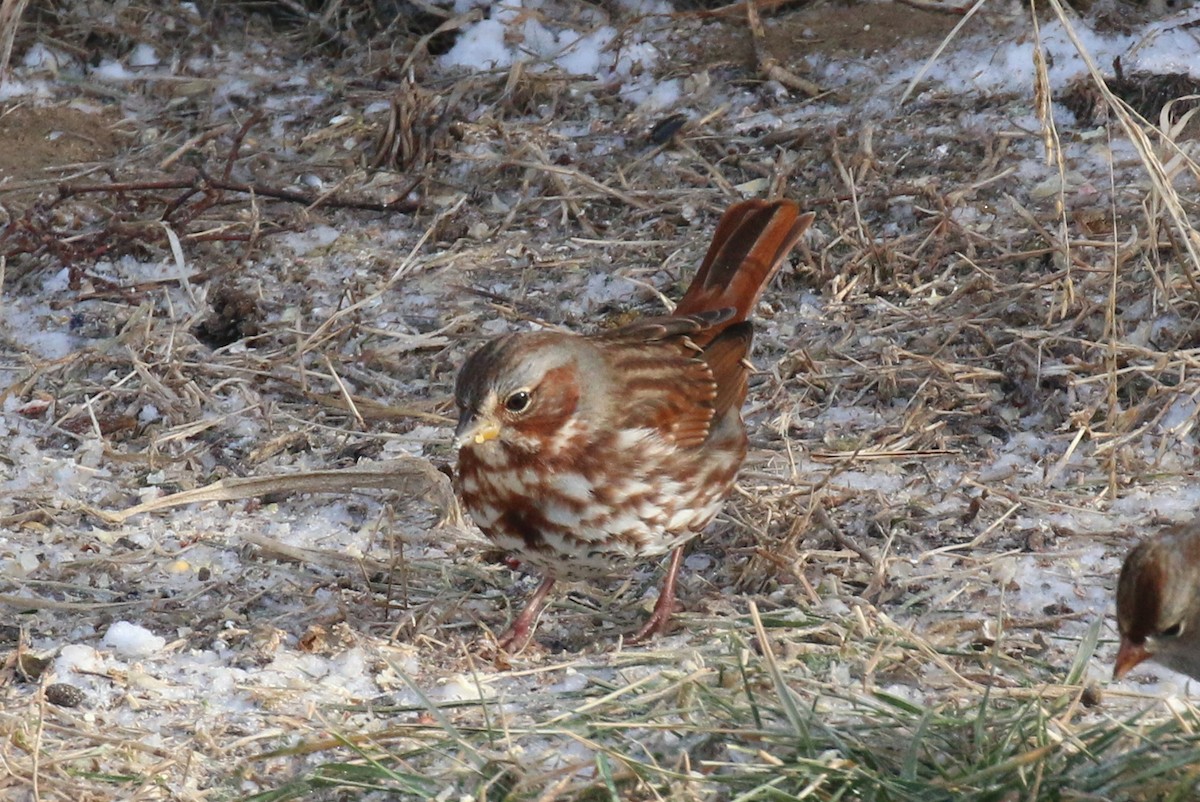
x: 132, y: 640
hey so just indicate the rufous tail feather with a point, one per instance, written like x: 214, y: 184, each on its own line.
x: 751, y: 241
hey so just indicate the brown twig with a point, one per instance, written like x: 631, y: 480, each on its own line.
x: 840, y: 538
x: 236, y: 145
x: 768, y: 64
x: 936, y: 7
x: 201, y: 181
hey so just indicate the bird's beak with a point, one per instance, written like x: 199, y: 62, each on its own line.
x: 472, y: 429
x: 1128, y: 656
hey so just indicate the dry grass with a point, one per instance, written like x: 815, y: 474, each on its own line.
x: 10, y: 20
x: 869, y: 625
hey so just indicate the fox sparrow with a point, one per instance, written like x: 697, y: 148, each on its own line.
x: 580, y: 454
x: 1158, y: 602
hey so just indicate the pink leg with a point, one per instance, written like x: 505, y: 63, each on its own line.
x: 657, y: 622
x: 518, y: 635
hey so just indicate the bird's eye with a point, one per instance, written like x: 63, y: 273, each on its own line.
x: 518, y: 401
x: 1173, y: 631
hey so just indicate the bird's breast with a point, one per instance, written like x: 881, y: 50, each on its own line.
x: 585, y: 508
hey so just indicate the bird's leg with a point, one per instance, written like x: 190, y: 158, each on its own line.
x: 520, y: 632
x: 665, y: 606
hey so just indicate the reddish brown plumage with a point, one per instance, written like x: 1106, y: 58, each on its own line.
x: 751, y: 241
x: 581, y: 453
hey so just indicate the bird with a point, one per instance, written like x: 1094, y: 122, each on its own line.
x: 581, y: 454
x: 1158, y: 602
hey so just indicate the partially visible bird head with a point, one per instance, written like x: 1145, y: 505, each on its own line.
x: 1158, y: 603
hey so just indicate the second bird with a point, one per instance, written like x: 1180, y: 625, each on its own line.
x: 1158, y: 602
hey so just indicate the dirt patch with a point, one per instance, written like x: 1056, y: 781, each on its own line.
x: 858, y: 30
x: 39, y: 145
x: 862, y: 30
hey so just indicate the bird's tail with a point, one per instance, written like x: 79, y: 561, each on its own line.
x: 751, y: 242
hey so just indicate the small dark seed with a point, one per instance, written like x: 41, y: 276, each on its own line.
x: 665, y: 130
x: 61, y: 694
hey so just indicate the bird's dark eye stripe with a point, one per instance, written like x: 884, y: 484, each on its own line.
x: 517, y: 401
